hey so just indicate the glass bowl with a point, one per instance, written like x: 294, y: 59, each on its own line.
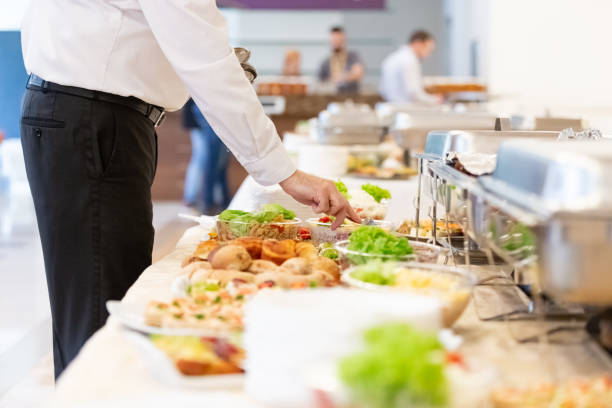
x: 228, y: 230
x: 422, y: 252
x: 452, y: 286
x: 321, y: 232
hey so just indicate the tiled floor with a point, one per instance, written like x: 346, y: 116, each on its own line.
x: 26, y: 377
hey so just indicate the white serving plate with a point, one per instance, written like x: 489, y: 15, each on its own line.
x: 132, y: 316
x: 163, y: 369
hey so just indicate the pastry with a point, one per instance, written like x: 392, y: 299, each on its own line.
x: 278, y: 251
x: 251, y: 244
x: 204, y: 248
x: 305, y: 250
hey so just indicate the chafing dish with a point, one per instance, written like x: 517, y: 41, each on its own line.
x: 452, y: 188
x: 349, y: 123
x: 410, y: 129
x: 548, y: 207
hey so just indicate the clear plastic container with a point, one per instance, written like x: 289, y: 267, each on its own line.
x: 228, y: 230
x: 321, y: 232
x: 452, y: 286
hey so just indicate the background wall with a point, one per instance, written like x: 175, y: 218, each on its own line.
x: 374, y: 34
x: 12, y: 82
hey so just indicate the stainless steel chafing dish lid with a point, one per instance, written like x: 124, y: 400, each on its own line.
x: 348, y: 114
x: 430, y: 119
x: 441, y: 142
x: 554, y: 176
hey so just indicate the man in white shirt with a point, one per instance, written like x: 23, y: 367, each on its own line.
x: 102, y: 72
x: 402, y: 79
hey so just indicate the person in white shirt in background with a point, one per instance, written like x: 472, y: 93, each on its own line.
x: 102, y: 73
x: 402, y: 77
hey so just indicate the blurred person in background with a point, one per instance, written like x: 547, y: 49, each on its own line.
x: 206, y: 181
x: 402, y: 77
x: 343, y: 67
x: 291, y: 65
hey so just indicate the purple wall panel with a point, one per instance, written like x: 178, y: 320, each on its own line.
x: 303, y: 4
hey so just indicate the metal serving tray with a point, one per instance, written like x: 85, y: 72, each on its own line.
x: 549, y: 204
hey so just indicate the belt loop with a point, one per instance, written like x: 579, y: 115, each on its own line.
x: 44, y: 86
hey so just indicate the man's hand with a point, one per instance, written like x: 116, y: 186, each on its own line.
x: 321, y: 194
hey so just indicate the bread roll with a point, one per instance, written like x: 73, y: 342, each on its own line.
x: 327, y: 265
x: 298, y: 266
x: 230, y: 257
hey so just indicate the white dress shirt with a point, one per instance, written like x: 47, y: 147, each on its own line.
x: 402, y: 79
x: 160, y: 51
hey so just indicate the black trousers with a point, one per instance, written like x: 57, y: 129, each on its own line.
x: 90, y: 165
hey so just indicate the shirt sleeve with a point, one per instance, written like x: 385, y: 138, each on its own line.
x: 193, y: 36
x: 353, y: 58
x: 413, y: 83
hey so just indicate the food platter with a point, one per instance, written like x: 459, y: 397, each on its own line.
x: 162, y: 368
x: 132, y: 316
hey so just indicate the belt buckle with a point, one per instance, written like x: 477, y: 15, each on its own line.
x: 161, y: 116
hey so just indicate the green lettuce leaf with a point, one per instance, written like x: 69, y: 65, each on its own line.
x: 400, y: 367
x: 229, y: 215
x: 342, y: 189
x: 376, y: 241
x: 376, y: 272
x: 270, y: 212
x: 378, y: 193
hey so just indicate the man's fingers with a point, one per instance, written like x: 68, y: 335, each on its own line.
x: 321, y: 204
x: 337, y: 204
x: 352, y: 214
x: 339, y: 220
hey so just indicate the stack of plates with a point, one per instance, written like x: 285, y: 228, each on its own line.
x: 285, y: 332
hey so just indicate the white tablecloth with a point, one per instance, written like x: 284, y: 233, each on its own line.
x: 109, y: 371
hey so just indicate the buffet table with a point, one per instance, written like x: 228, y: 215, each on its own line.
x: 111, y: 371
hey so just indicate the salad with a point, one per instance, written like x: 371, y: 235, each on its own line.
x: 451, y: 286
x: 369, y: 243
x: 368, y: 201
x: 271, y: 221
x: 398, y: 367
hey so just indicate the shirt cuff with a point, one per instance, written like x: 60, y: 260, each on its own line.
x: 273, y: 168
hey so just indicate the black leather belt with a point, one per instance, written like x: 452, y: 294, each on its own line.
x: 154, y: 113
